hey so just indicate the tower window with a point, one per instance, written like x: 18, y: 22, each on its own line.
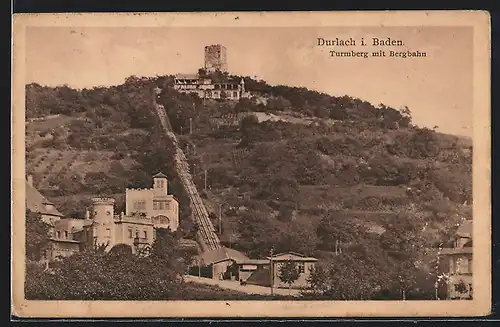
x: 130, y: 233
x: 140, y: 205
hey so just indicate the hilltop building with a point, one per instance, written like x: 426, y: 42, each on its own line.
x: 207, y: 87
x: 458, y: 263
x: 215, y: 58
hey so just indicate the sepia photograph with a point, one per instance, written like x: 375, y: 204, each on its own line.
x: 251, y: 164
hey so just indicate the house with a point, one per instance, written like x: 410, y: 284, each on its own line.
x: 147, y: 210
x: 61, y: 242
x: 220, y: 260
x: 303, y: 263
x: 262, y: 271
x: 101, y: 227
x: 64, y: 239
x: 458, y: 263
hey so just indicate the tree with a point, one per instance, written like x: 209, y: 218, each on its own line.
x: 257, y: 234
x: 288, y: 272
x: 337, y: 227
x: 461, y: 287
x: 249, y: 130
x: 316, y: 280
x: 349, y: 278
x: 37, y: 236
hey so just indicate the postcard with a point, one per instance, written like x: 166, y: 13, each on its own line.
x: 251, y: 164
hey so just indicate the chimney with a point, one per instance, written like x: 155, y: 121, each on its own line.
x: 30, y: 180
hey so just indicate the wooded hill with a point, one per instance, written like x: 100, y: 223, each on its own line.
x: 339, y: 175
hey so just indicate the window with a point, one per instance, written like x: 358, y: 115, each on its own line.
x: 108, y: 232
x: 301, y: 267
x: 161, y: 205
x: 462, y: 266
x: 137, y: 233
x: 145, y: 234
x: 58, y: 234
x: 130, y: 233
x: 140, y: 205
x: 65, y: 234
x: 235, y: 94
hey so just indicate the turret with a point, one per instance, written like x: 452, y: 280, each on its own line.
x: 160, y: 183
x: 242, y: 85
x: 103, y: 209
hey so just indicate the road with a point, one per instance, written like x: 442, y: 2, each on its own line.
x: 235, y: 286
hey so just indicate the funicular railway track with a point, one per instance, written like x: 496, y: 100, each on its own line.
x: 207, y: 237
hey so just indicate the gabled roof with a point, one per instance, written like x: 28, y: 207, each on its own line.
x: 465, y: 230
x: 291, y: 256
x: 252, y: 261
x: 160, y: 175
x: 36, y: 202
x: 187, y: 76
x: 221, y: 254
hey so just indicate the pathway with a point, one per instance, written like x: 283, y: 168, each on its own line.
x: 235, y: 286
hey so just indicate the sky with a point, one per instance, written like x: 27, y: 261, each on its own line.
x: 437, y: 88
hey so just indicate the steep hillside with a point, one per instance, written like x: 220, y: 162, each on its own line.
x: 290, y: 168
x: 293, y: 169
x: 84, y: 143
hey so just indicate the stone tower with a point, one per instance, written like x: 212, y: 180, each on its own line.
x: 103, y: 223
x: 215, y: 58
